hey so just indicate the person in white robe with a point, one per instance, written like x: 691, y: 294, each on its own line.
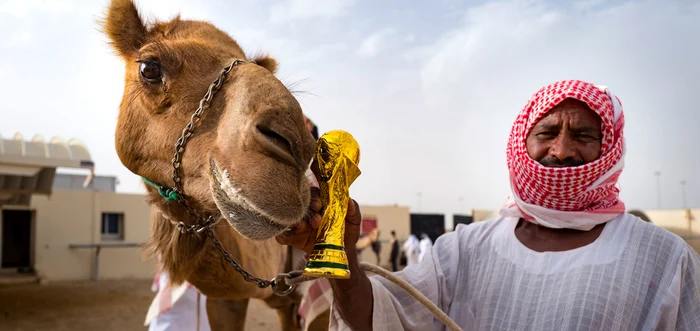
x: 174, y: 308
x: 564, y: 255
x: 424, y: 246
x: 412, y: 250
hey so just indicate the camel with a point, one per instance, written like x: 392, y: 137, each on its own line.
x: 235, y: 175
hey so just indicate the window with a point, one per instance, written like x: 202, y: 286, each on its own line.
x: 112, y: 226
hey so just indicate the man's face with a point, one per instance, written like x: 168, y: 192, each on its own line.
x: 569, y: 135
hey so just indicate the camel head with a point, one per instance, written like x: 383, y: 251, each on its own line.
x: 247, y: 156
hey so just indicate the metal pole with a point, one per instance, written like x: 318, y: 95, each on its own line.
x: 658, y: 188
x: 97, y: 263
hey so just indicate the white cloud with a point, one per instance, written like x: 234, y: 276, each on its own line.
x: 167, y: 9
x: 18, y: 39
x: 293, y: 10
x: 374, y: 43
x: 21, y: 8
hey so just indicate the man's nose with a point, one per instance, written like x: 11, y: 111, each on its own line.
x: 563, y: 147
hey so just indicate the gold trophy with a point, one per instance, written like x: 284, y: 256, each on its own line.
x: 337, y: 155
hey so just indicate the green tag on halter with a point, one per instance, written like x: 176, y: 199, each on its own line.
x: 164, y: 191
x: 168, y: 193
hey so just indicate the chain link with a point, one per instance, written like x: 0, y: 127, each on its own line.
x: 197, y: 227
x: 205, y: 224
x: 196, y: 117
x: 262, y: 283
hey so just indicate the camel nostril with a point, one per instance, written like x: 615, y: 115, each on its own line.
x: 276, y: 138
x: 280, y: 143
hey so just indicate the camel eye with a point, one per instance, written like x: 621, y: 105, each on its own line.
x: 150, y: 71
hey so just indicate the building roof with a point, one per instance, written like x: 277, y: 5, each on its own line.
x: 76, y: 182
x: 28, y: 166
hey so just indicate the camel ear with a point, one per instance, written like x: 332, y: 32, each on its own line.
x: 125, y: 27
x: 267, y: 63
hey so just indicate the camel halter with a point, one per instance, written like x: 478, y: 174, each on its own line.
x: 284, y: 283
x: 278, y: 284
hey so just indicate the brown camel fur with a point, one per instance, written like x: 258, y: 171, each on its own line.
x: 246, y: 159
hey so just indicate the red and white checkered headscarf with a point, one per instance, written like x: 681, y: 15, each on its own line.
x: 574, y: 197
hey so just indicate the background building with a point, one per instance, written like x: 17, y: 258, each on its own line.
x: 461, y: 219
x: 386, y: 219
x: 77, y: 233
x: 65, y: 226
x: 431, y: 224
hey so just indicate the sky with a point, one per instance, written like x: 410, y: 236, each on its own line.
x: 428, y: 89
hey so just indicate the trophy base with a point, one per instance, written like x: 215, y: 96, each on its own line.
x: 326, y: 272
x: 328, y: 261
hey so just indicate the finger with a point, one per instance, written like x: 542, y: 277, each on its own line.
x: 301, y: 235
x: 315, y: 169
x: 285, y: 238
x: 310, y: 241
x: 316, y: 203
x: 354, y: 216
x: 315, y: 221
x: 353, y: 219
x: 315, y: 192
x: 288, y: 236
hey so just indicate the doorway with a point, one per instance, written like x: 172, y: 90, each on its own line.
x: 16, y: 239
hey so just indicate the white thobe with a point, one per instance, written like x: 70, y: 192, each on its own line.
x: 634, y: 276
x: 424, y: 247
x: 412, y: 250
x: 183, y: 314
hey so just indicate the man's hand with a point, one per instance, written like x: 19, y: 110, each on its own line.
x: 352, y: 297
x: 303, y: 235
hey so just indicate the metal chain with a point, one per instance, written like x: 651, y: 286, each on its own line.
x: 279, y: 284
x: 262, y: 283
x: 197, y: 227
x: 196, y: 117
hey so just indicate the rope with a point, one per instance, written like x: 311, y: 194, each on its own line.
x: 398, y: 281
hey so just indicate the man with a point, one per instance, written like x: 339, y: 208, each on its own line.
x: 424, y: 246
x: 377, y: 248
x: 394, y: 254
x: 564, y: 255
x: 411, y: 249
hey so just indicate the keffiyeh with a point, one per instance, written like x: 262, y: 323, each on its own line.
x: 574, y: 197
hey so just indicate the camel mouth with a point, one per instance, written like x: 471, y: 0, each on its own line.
x: 241, y: 213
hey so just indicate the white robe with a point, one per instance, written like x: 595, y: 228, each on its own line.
x: 424, y: 247
x: 412, y: 250
x: 635, y: 276
x: 182, y: 315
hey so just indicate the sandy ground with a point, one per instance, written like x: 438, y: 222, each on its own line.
x: 103, y: 305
